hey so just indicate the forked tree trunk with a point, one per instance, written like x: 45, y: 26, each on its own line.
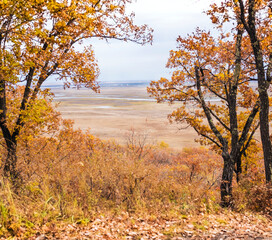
x: 226, y: 183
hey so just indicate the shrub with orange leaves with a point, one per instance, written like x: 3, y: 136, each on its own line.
x: 74, y: 175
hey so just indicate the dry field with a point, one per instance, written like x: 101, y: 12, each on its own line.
x: 115, y: 111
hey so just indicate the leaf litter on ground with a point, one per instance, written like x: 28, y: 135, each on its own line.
x: 225, y: 225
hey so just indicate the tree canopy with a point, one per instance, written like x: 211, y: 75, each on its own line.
x: 255, y: 17
x: 41, y: 38
x: 212, y: 80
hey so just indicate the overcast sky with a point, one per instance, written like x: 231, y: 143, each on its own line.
x: 120, y: 61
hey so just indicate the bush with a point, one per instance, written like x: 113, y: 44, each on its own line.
x: 74, y: 175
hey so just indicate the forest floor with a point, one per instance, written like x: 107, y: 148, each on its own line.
x: 225, y: 225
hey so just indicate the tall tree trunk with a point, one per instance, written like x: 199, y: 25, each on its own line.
x: 264, y: 114
x: 226, y: 183
x: 263, y: 85
x: 265, y: 136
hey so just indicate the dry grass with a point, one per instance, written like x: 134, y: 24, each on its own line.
x: 75, y: 177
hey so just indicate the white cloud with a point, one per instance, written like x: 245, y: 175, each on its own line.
x: 169, y: 19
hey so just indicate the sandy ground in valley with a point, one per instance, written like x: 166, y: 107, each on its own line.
x: 115, y: 111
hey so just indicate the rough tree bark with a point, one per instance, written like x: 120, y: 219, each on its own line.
x: 226, y: 183
x: 10, y: 170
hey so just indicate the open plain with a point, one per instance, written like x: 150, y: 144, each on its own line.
x: 116, y: 111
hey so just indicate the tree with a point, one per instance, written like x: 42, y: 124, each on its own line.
x: 255, y: 16
x: 208, y: 69
x: 41, y: 38
x: 263, y: 66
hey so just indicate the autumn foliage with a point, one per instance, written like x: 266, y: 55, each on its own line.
x: 254, y: 17
x: 213, y: 83
x: 42, y: 39
x: 73, y: 176
x: 53, y: 173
